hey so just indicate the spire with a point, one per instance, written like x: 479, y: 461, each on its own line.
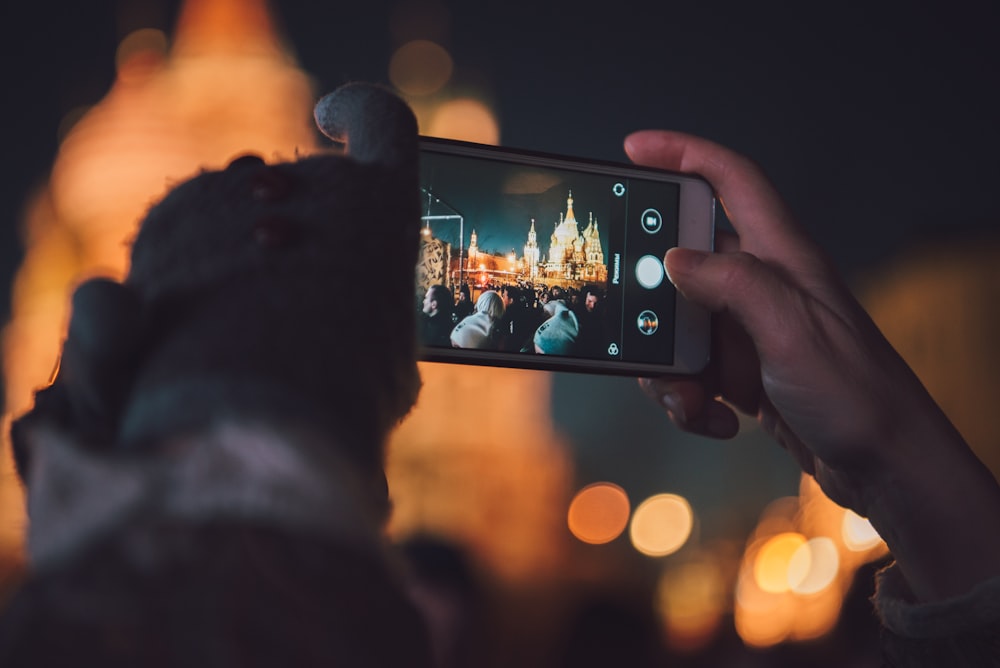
x: 569, y: 207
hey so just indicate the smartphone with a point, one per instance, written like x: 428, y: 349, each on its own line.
x: 539, y: 261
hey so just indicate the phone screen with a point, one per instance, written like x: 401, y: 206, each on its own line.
x: 537, y: 261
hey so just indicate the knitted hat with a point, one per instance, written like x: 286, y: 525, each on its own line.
x: 557, y: 335
x: 490, y: 303
x: 231, y: 308
x: 473, y: 332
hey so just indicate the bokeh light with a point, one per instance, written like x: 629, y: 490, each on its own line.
x: 466, y: 119
x: 770, y: 569
x: 691, y: 599
x: 813, y: 566
x: 420, y: 67
x: 661, y: 525
x: 858, y: 533
x: 761, y: 618
x: 777, y: 517
x: 598, y: 513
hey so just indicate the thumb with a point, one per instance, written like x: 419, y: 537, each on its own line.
x: 737, y: 283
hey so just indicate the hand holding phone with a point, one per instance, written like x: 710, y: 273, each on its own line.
x: 533, y: 260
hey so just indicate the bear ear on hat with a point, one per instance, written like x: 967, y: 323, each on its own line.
x: 375, y: 125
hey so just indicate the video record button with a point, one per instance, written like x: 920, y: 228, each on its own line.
x: 652, y: 221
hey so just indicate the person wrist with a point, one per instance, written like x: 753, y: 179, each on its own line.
x: 937, y: 506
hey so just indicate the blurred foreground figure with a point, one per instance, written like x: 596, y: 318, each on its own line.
x: 793, y: 347
x: 204, y: 476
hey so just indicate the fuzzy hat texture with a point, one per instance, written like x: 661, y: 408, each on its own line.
x: 557, y: 335
x: 473, y: 332
x: 234, y: 304
x: 491, y: 304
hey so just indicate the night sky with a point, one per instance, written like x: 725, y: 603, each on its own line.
x: 499, y: 201
x: 879, y: 125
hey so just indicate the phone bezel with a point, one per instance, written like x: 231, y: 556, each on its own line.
x: 696, y: 229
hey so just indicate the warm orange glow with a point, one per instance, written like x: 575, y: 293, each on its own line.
x: 816, y: 614
x: 420, y: 67
x: 598, y: 513
x: 661, y: 525
x: 858, y: 533
x: 779, y: 516
x: 770, y: 569
x: 144, y: 40
x: 479, y: 460
x: 465, y: 119
x: 814, y: 566
x: 140, y: 55
x: 761, y: 618
x: 691, y: 599
x: 218, y: 28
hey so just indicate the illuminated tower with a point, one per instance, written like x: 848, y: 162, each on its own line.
x: 563, y: 240
x: 473, y: 252
x: 592, y: 243
x: 531, y: 252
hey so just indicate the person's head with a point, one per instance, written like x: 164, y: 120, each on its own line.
x: 474, y: 331
x: 557, y: 335
x: 437, y: 300
x: 592, y: 298
x: 463, y: 293
x: 228, y: 298
x: 509, y: 294
x: 491, y: 304
x: 557, y: 292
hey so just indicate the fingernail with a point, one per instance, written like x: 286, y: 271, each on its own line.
x: 682, y: 261
x: 673, y: 403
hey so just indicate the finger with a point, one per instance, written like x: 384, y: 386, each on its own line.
x: 752, y: 204
x: 753, y: 293
x: 680, y: 397
x: 688, y: 406
x: 726, y: 242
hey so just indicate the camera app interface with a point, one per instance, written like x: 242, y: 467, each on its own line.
x: 542, y: 261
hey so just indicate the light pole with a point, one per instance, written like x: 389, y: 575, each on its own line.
x: 427, y: 217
